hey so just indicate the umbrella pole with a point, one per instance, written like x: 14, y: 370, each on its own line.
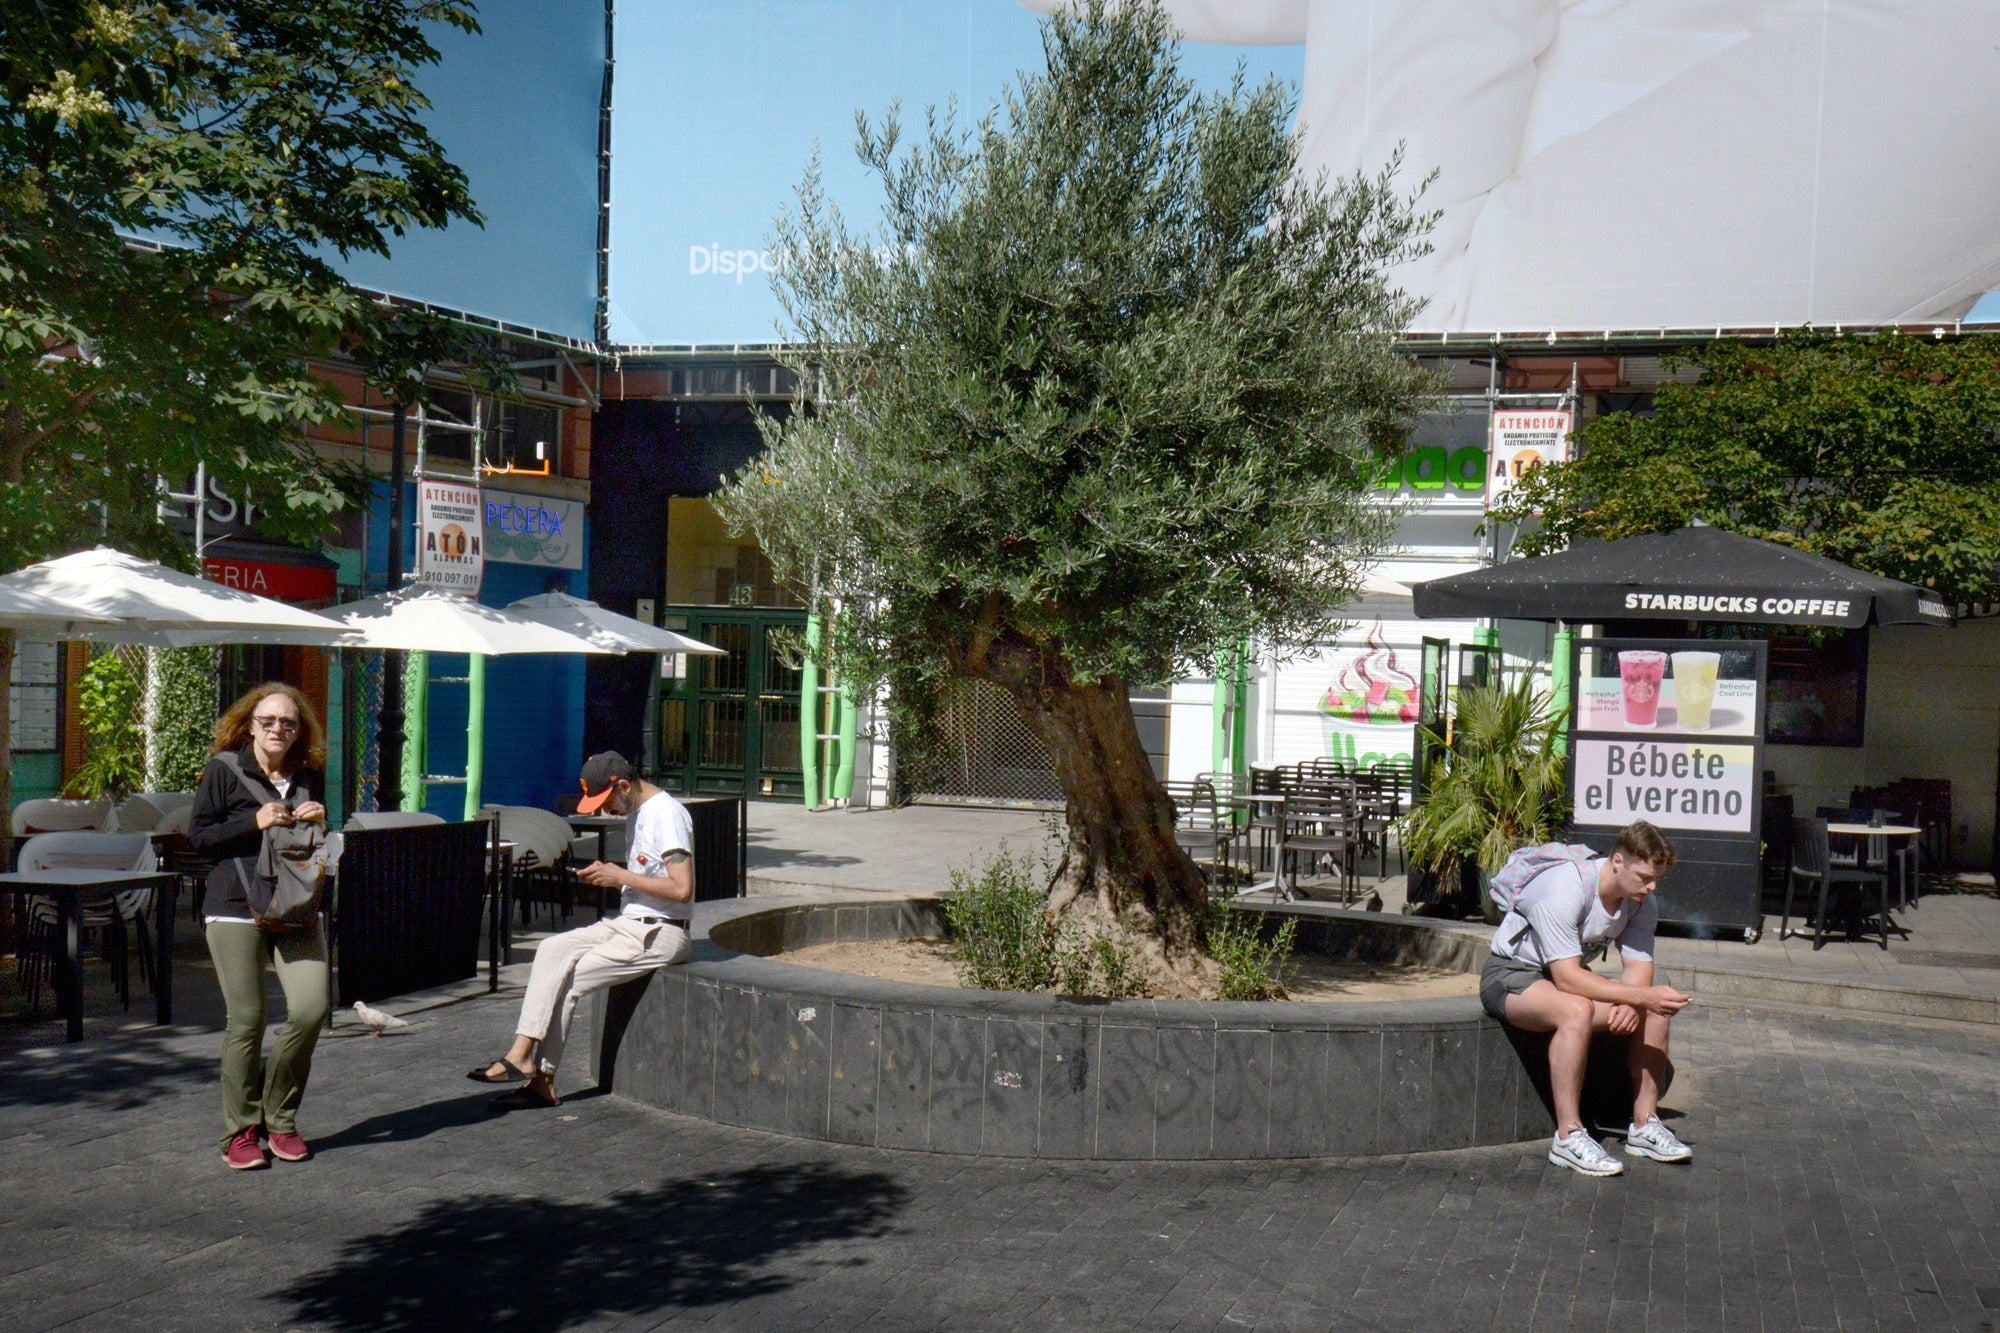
x: 1561, y: 683
x: 475, y: 732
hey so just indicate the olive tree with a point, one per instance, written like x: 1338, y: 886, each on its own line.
x: 1098, y: 398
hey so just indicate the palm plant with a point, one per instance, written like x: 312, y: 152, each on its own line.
x: 1498, y: 785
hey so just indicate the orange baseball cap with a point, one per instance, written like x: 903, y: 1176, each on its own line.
x: 602, y: 773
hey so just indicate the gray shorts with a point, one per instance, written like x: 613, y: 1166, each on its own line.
x: 1503, y: 977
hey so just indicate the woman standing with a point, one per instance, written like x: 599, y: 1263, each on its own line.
x: 267, y: 770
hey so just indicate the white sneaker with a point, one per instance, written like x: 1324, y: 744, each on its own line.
x: 1656, y: 1141
x: 1580, y: 1152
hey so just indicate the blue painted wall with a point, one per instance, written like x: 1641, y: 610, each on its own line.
x: 533, y: 741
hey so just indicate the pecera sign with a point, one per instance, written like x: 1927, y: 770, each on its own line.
x: 450, y: 548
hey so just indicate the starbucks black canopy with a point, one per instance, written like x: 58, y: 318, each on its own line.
x: 1693, y: 573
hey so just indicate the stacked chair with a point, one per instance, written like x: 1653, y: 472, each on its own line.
x: 107, y: 914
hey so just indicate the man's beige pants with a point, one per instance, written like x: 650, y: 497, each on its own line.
x: 571, y: 965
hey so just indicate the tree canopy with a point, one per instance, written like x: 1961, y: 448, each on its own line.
x: 1096, y: 399
x: 1105, y: 381
x: 176, y: 180
x: 1881, y: 451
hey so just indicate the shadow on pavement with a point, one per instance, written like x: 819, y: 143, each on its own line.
x: 109, y: 1073
x: 409, y: 1122
x: 499, y: 1261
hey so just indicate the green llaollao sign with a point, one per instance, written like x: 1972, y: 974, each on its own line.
x: 1435, y: 468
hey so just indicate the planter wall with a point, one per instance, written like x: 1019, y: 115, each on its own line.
x: 743, y: 1039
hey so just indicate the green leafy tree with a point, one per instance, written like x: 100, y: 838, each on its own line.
x: 1876, y: 450
x: 247, y: 144
x: 1098, y: 399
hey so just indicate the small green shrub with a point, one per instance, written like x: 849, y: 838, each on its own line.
x: 999, y: 939
x: 1102, y: 963
x: 186, y: 721
x: 1249, y: 966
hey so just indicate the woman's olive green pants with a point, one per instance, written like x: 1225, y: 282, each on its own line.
x: 256, y: 1091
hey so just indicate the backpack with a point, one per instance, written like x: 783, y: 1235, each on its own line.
x: 1510, y: 880
x: 285, y: 892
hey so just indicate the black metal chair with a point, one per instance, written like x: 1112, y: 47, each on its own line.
x: 1203, y: 826
x: 1811, y: 861
x: 1320, y: 825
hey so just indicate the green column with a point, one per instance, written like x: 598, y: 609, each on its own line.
x: 475, y: 733
x: 843, y: 773
x: 1486, y: 636
x: 1560, y: 683
x: 1219, y: 701
x: 416, y: 727
x: 809, y: 763
x: 1239, y: 740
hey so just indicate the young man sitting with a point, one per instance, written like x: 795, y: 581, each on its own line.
x: 656, y: 895
x: 1536, y: 982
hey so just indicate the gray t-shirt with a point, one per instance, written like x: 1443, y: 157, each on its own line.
x: 1559, y: 913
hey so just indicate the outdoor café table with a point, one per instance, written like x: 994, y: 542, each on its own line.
x: 1852, y: 830
x: 603, y: 828
x: 67, y: 884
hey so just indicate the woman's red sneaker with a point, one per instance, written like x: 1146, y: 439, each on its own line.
x: 242, y: 1152
x: 288, y: 1147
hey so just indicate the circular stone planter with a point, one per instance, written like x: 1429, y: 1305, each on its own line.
x: 739, y: 1037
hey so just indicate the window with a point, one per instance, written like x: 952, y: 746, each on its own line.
x: 524, y: 437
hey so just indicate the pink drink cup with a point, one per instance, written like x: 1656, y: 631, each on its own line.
x: 1641, y: 671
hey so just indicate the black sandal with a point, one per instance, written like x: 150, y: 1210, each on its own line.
x: 525, y: 1099
x: 484, y: 1073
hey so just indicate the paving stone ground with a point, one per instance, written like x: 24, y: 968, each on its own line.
x: 1846, y: 1177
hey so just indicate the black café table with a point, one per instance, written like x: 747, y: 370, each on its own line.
x: 67, y: 885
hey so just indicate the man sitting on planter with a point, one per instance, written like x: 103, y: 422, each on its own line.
x: 656, y: 896
x: 1536, y: 982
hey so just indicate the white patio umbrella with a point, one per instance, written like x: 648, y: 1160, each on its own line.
x: 588, y: 620
x: 425, y: 620
x: 40, y: 617
x: 421, y: 619
x: 143, y: 601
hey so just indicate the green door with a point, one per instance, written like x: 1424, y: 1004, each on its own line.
x: 730, y: 726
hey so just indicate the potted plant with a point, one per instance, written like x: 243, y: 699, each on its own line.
x: 1495, y: 785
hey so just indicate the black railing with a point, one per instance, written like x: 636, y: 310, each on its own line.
x: 409, y: 908
x: 720, y: 846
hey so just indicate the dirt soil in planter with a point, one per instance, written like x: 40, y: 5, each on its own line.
x: 925, y: 962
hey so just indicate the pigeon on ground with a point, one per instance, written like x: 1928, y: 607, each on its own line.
x: 377, y: 1020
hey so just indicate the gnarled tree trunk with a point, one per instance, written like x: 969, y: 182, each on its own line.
x: 1120, y: 861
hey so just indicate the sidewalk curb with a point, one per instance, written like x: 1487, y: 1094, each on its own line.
x: 1858, y: 996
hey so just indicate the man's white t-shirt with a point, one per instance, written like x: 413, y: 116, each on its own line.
x: 656, y: 829
x: 1559, y: 913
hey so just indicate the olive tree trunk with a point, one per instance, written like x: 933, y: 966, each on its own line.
x: 1120, y: 862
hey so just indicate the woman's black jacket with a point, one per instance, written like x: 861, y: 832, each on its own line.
x: 223, y: 825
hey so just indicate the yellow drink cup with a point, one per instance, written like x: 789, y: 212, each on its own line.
x: 1694, y: 688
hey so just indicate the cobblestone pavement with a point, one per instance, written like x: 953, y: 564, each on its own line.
x: 1846, y: 1176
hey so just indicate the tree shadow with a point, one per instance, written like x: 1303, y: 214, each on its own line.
x: 508, y: 1262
